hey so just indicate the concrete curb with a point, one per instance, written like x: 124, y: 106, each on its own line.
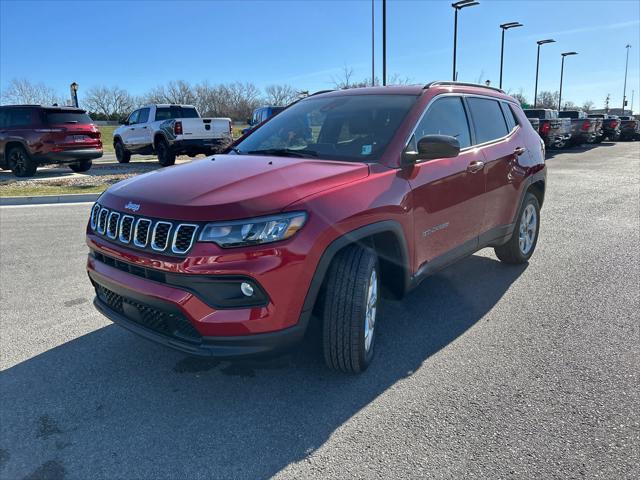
x: 48, y: 199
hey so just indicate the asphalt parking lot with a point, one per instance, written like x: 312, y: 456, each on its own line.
x: 484, y: 371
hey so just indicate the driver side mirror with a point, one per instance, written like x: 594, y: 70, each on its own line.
x: 124, y: 121
x: 431, y: 147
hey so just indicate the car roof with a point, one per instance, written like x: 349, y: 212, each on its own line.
x: 46, y: 107
x: 166, y: 105
x: 419, y: 89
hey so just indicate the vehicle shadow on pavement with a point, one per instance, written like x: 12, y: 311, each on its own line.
x: 112, y: 405
x: 551, y: 153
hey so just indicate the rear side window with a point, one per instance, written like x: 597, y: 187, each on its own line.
x: 18, y: 117
x: 509, y: 115
x: 446, y: 116
x: 52, y: 117
x: 488, y: 119
x: 169, y: 113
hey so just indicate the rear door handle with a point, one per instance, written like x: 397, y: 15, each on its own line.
x: 144, y: 128
x: 519, y: 151
x: 474, y: 167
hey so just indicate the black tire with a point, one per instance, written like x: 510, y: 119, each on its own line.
x: 20, y: 162
x: 512, y: 251
x: 344, y: 309
x: 166, y: 156
x: 122, y: 155
x: 81, y: 166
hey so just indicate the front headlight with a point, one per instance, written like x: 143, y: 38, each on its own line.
x: 253, y: 231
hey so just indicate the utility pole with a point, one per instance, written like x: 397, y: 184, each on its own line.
x: 384, y: 42
x: 606, y: 103
x: 373, y: 44
x: 624, y: 91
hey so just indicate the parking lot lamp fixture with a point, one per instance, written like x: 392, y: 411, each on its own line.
x: 504, y: 27
x: 458, y: 6
x: 535, y: 94
x: 565, y: 54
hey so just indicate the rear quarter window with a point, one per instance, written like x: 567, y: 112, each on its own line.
x: 488, y: 119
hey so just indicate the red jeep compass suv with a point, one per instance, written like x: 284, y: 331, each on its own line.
x: 32, y: 135
x: 341, y: 196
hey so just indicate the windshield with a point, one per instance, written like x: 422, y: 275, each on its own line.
x: 53, y: 117
x: 354, y: 128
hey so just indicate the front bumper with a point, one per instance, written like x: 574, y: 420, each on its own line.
x: 180, y: 288
x: 202, y: 346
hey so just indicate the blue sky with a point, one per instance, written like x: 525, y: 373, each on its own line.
x: 138, y: 45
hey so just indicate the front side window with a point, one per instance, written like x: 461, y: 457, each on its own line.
x: 143, y: 117
x: 488, y: 119
x: 354, y: 128
x: 133, y: 118
x: 446, y: 116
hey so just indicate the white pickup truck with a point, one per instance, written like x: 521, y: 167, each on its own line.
x: 170, y: 130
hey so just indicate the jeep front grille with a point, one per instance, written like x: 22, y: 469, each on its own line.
x: 172, y: 238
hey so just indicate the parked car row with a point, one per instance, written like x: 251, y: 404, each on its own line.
x: 575, y: 127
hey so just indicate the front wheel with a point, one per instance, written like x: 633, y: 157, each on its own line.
x: 81, y: 166
x: 166, y: 156
x: 524, y: 239
x: 349, y: 310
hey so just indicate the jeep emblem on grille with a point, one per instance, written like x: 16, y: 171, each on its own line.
x: 134, y: 207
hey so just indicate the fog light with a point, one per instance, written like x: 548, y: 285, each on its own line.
x: 246, y: 288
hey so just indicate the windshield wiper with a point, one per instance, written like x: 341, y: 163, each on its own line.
x: 285, y: 152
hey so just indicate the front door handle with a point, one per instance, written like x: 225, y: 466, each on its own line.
x: 474, y: 167
x: 132, y: 128
x: 519, y: 151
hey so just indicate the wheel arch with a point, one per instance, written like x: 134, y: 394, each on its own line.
x: 537, y: 188
x: 388, y: 241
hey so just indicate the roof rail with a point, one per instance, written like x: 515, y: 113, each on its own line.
x: 321, y: 91
x: 462, y: 84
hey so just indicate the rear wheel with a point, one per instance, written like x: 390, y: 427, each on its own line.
x: 523, y: 241
x: 21, y: 163
x: 122, y: 155
x: 81, y: 166
x: 166, y: 156
x: 350, y: 305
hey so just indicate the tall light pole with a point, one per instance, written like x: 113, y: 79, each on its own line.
x: 624, y: 91
x: 373, y: 44
x: 565, y: 54
x: 506, y: 26
x: 458, y: 6
x: 535, y: 94
x: 384, y: 42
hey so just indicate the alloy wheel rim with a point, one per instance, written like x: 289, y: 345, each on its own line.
x: 18, y: 162
x: 528, y: 227
x: 371, y: 310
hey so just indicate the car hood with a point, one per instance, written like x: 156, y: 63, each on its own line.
x: 226, y: 187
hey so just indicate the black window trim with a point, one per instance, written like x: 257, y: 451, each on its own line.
x: 472, y: 127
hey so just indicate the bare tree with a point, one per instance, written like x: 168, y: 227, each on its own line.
x: 111, y: 103
x: 21, y: 91
x: 343, y: 80
x: 569, y: 105
x: 548, y: 99
x: 519, y: 96
x: 587, y: 106
x: 280, y: 95
x: 178, y: 91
